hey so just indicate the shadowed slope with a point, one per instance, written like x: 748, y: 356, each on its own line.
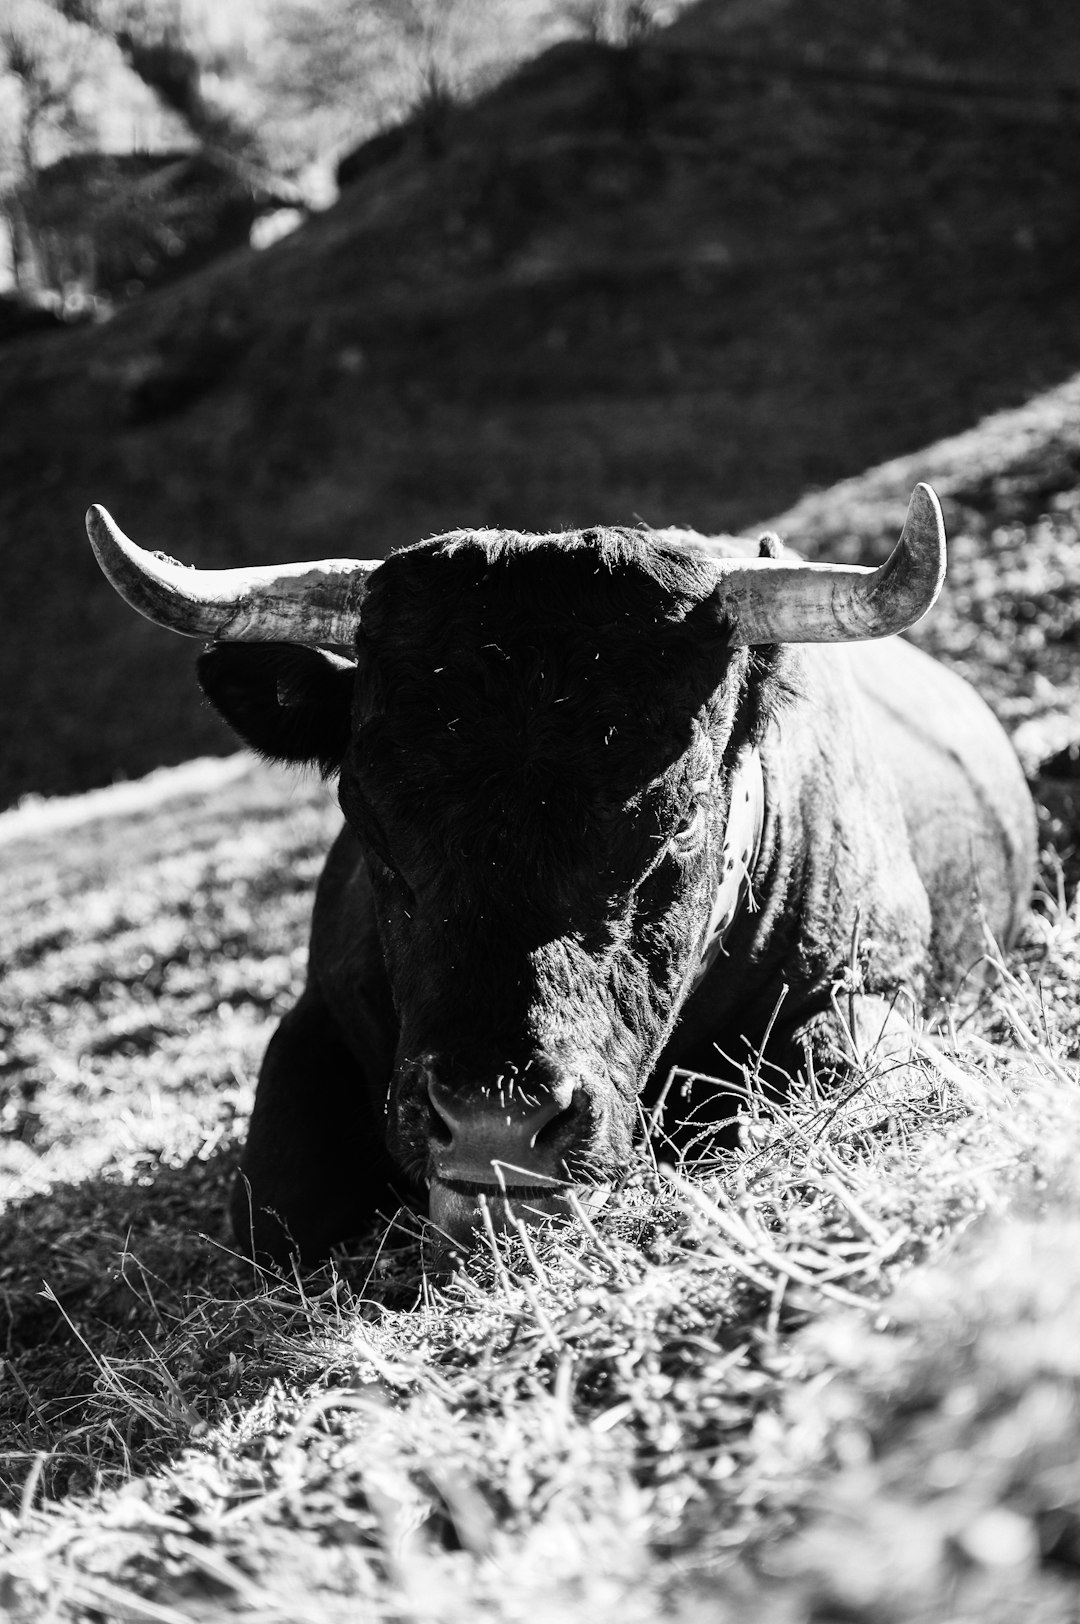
x: 648, y: 282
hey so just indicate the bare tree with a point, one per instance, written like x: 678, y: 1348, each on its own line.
x: 345, y: 69
x: 45, y: 59
x: 618, y: 22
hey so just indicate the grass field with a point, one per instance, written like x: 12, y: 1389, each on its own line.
x: 829, y: 1376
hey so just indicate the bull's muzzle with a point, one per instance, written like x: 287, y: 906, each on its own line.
x: 495, y: 1154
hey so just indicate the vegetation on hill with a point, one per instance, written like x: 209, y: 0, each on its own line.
x: 652, y: 281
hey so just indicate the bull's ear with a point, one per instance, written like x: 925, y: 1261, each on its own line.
x: 288, y: 703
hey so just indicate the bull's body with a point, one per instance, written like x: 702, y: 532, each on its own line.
x: 897, y: 834
x: 615, y: 801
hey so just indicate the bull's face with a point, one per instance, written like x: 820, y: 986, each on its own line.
x: 538, y: 769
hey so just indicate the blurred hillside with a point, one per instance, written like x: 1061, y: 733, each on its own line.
x: 688, y: 279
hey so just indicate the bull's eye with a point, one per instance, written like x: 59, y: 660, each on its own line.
x: 691, y: 830
x: 391, y: 877
x: 362, y: 820
x: 390, y: 885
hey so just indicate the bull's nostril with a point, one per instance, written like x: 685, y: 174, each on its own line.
x: 560, y: 1117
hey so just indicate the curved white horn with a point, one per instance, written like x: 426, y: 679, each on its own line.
x: 273, y: 603
x: 774, y: 601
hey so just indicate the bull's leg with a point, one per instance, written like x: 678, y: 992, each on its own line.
x: 314, y: 1170
x: 865, y: 1036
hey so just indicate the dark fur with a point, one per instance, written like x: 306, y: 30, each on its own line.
x: 287, y: 703
x: 536, y: 747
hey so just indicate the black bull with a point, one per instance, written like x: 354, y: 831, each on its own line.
x: 591, y: 834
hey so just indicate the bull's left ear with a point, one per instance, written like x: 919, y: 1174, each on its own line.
x: 288, y: 703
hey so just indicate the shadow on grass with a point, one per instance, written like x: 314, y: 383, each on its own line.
x: 130, y: 1326
x: 109, y: 1358
x: 97, y: 1275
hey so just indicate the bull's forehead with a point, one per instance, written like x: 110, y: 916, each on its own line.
x: 582, y: 654
x: 598, y: 576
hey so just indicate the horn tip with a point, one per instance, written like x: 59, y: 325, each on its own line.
x: 924, y: 529
x: 101, y: 527
x: 924, y: 506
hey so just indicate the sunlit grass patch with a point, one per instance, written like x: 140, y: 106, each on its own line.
x: 625, y: 1416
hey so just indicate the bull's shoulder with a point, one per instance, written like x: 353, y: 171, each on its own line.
x: 922, y: 697
x: 940, y: 751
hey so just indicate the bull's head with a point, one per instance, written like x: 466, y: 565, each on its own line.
x: 537, y: 740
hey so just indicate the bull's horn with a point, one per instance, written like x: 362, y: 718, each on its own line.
x: 775, y: 601
x: 275, y: 603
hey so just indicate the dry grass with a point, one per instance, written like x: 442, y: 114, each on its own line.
x: 697, y: 1402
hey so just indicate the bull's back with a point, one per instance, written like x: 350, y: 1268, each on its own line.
x: 969, y: 814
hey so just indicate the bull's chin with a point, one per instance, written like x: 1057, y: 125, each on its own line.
x: 462, y: 1212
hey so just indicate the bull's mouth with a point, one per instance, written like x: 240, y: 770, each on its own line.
x: 503, y: 1190
x: 462, y: 1211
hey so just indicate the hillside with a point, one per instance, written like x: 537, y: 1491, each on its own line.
x: 687, y: 281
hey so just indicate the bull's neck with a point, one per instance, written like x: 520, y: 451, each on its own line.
x: 742, y: 844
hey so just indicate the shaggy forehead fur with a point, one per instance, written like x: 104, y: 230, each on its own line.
x: 533, y: 708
